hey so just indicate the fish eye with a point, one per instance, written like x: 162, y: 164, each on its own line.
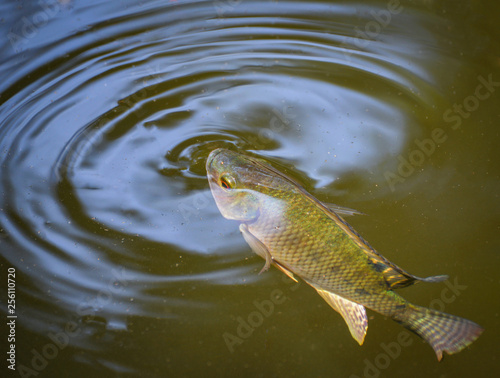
x: 227, y: 182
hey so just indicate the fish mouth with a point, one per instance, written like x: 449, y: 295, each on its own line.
x: 211, y: 171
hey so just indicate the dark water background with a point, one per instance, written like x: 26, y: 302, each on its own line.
x: 123, y: 264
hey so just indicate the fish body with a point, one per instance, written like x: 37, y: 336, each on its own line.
x: 302, y: 236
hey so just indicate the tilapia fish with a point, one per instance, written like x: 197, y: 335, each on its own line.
x: 304, y: 237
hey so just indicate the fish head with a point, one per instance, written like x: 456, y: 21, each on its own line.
x: 241, y: 185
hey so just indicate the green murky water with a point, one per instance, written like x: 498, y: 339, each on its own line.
x: 123, y: 264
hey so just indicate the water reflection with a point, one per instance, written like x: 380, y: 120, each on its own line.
x: 108, y: 114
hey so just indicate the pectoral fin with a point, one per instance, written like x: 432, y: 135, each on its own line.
x: 257, y: 246
x: 354, y: 314
x: 260, y: 249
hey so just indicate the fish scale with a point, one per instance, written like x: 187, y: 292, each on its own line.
x: 301, y: 236
x: 305, y: 258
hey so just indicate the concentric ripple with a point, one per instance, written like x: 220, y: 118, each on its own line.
x: 109, y: 112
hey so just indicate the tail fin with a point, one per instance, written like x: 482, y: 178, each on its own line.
x: 444, y: 332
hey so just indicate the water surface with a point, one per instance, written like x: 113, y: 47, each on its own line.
x: 125, y: 267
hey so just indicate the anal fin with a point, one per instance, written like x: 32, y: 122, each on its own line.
x: 354, y: 314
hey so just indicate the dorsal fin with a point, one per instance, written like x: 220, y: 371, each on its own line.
x: 341, y: 209
x: 395, y: 277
